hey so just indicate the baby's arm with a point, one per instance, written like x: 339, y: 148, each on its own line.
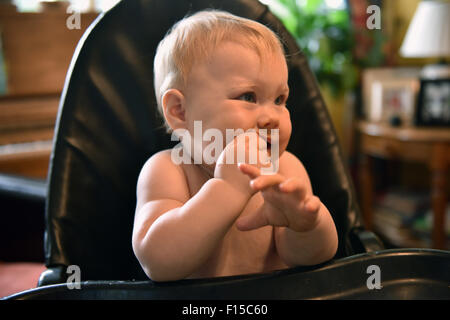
x: 174, y: 235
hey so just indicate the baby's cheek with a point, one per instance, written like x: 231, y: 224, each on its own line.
x: 285, y: 134
x: 287, y: 125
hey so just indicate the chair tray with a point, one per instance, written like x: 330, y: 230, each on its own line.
x: 402, y: 274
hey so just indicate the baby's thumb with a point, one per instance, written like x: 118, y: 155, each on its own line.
x: 252, y: 221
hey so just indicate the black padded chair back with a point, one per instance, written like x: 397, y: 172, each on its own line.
x: 108, y: 126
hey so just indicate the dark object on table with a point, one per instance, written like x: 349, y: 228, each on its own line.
x: 395, y: 121
x: 433, y: 108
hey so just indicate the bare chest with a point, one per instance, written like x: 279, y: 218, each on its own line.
x: 240, y: 252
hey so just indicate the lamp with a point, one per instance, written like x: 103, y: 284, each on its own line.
x: 428, y: 36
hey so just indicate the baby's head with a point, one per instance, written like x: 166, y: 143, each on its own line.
x: 194, y: 39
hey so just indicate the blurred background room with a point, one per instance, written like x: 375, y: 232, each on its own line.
x: 384, y: 71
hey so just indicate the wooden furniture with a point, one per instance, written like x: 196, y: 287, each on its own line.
x: 37, y: 48
x: 26, y: 131
x: 426, y: 145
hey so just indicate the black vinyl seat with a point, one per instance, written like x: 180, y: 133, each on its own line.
x: 108, y: 126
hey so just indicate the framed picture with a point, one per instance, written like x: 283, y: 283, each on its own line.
x: 390, y: 95
x: 433, y: 107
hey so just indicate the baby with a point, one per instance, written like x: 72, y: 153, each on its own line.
x: 219, y: 218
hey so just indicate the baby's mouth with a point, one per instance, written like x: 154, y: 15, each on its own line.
x: 263, y: 135
x: 268, y: 142
x: 268, y: 145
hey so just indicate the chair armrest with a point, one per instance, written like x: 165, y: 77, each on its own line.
x: 53, y: 275
x: 22, y: 209
x: 23, y: 187
x: 366, y: 240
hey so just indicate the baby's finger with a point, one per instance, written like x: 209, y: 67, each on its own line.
x: 290, y: 185
x: 265, y: 181
x: 312, y: 204
x: 293, y: 185
x: 252, y: 221
x: 250, y: 170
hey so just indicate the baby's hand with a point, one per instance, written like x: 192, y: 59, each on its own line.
x: 240, y: 150
x: 286, y: 202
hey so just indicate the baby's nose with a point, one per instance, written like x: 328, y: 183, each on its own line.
x: 268, y: 119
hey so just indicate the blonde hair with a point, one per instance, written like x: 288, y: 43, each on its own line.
x: 195, y: 37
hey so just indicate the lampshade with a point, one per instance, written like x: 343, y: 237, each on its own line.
x: 428, y: 34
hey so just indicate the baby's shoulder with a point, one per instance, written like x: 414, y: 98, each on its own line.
x: 290, y: 165
x: 287, y: 158
x: 160, y: 161
x: 161, y: 175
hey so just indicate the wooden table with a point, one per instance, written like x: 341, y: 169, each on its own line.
x: 427, y: 145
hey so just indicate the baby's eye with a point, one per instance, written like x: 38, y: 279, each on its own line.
x: 248, y: 96
x: 280, y: 100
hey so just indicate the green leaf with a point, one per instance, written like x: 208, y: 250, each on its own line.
x: 327, y: 38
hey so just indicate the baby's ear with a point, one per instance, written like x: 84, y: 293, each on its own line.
x: 173, y: 104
